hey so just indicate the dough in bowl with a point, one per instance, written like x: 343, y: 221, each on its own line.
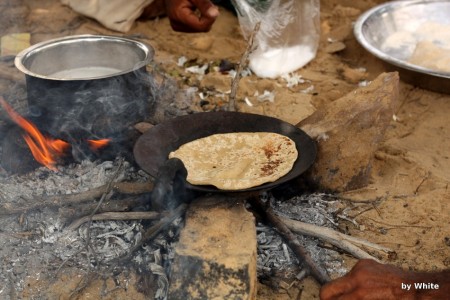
x: 239, y: 160
x: 431, y: 56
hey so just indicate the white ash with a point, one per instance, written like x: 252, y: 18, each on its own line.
x: 318, y: 208
x: 181, y: 61
x: 274, y: 257
x: 308, y: 90
x: 248, y: 102
x: 199, y: 70
x: 71, y: 179
x: 266, y: 96
x: 292, y: 80
x: 244, y: 73
x: 47, y: 246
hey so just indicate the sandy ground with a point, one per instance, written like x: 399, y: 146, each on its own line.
x: 411, y: 169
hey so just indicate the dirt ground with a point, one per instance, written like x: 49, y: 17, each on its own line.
x: 411, y: 166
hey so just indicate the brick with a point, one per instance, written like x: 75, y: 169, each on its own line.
x: 215, y: 257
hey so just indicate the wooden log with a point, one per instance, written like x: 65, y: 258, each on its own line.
x: 131, y: 188
x: 133, y: 215
x: 342, y: 241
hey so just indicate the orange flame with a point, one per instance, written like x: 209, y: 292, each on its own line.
x: 45, y: 150
x: 98, y: 144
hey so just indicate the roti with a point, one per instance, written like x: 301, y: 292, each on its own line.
x: 239, y: 160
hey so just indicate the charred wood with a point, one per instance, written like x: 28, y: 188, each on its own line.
x: 269, y: 215
x: 72, y: 199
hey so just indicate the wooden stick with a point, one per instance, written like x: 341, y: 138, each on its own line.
x: 148, y: 235
x: 117, y: 205
x: 335, y: 238
x: 105, y: 194
x: 317, y: 272
x: 88, y: 246
x: 135, y: 215
x: 70, y: 199
x: 152, y: 232
x: 242, y: 63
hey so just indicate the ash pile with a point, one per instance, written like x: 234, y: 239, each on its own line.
x: 40, y: 243
x: 277, y: 265
x: 41, y: 236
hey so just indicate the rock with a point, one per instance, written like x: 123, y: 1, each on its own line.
x: 352, y: 75
x: 12, y: 44
x: 334, y: 47
x: 215, y: 257
x: 143, y: 127
x: 202, y: 43
x: 341, y: 33
x: 345, y: 11
x: 349, y: 131
x: 217, y: 81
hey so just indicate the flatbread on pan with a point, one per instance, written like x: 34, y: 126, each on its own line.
x: 235, y: 161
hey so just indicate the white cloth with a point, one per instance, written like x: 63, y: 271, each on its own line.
x: 117, y: 15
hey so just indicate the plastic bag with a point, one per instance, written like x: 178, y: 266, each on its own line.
x: 288, y: 36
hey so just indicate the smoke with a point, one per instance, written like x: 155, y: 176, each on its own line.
x: 107, y: 108
x: 80, y: 110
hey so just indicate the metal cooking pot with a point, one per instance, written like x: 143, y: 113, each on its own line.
x: 86, y: 86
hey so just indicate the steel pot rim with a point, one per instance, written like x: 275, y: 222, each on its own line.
x: 146, y: 49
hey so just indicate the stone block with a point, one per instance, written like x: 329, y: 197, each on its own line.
x: 349, y: 131
x: 215, y: 257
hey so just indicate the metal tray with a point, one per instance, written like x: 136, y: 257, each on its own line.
x: 404, y: 18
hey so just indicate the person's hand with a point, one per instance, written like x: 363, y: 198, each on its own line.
x: 370, y: 280
x: 191, y: 15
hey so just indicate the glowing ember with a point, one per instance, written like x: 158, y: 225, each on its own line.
x: 45, y: 150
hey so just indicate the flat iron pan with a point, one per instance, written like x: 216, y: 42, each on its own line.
x: 153, y: 147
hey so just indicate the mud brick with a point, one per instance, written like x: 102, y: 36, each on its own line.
x: 216, y: 254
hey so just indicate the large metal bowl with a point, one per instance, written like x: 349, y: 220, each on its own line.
x: 404, y: 18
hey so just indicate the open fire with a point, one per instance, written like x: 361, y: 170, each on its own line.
x: 46, y: 150
x: 110, y: 239
x: 273, y: 255
x: 101, y: 245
